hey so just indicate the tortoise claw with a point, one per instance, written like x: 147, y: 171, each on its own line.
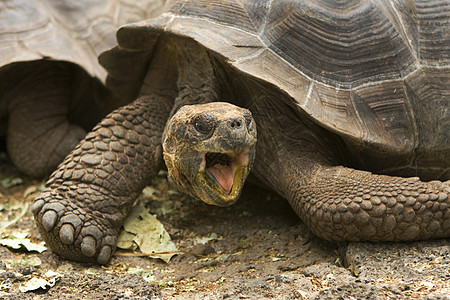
x: 88, y: 246
x: 87, y: 198
x: 104, y: 255
x: 71, y: 229
x: 37, y: 205
x: 49, y: 220
x: 66, y: 234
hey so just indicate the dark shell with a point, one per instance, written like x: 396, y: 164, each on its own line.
x: 377, y: 72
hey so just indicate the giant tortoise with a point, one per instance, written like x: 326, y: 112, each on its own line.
x: 51, y: 89
x: 349, y: 99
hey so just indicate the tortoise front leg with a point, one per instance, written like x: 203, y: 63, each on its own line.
x: 80, y: 212
x: 339, y: 203
x: 343, y: 204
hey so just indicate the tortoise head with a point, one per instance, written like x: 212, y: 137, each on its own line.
x: 209, y: 150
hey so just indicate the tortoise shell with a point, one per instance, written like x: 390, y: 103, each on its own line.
x: 73, y: 31
x: 377, y: 73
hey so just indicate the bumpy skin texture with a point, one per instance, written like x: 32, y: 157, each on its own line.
x: 88, y: 196
x: 340, y: 203
x: 343, y: 204
x: 45, y: 102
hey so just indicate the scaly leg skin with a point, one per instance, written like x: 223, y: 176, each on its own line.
x: 339, y: 203
x: 39, y: 134
x: 87, y: 198
x: 343, y: 204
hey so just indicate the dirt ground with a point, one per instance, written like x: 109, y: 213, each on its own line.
x: 255, y: 249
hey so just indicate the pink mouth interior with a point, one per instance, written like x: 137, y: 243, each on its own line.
x: 222, y: 167
x: 224, y: 176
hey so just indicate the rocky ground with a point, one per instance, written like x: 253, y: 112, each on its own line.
x: 256, y: 249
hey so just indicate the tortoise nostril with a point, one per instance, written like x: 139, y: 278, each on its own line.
x: 236, y: 123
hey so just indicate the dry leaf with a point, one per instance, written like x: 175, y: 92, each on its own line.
x: 10, y: 182
x: 143, y: 230
x: 17, y: 240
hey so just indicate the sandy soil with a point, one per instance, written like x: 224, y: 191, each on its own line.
x: 256, y: 249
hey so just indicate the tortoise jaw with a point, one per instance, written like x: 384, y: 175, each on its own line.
x: 209, y: 150
x: 223, y: 175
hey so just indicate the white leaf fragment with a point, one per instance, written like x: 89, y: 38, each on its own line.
x: 427, y: 284
x: 146, y: 275
x: 205, y: 239
x: 52, y: 274
x: 35, y: 284
x: 148, y: 192
x: 29, y: 260
x: 18, y: 240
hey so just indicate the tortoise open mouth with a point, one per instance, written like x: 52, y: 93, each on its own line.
x: 226, y: 172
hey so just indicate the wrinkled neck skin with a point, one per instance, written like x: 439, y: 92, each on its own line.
x: 181, y: 72
x: 286, y: 139
x: 211, y: 165
x: 285, y: 136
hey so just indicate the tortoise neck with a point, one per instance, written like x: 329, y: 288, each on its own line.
x: 286, y: 138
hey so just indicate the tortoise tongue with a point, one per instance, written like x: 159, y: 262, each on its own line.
x: 224, y: 175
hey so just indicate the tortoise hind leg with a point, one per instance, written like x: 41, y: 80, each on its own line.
x: 39, y: 134
x: 344, y: 204
x: 81, y: 210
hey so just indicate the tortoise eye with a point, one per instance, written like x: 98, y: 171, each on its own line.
x: 204, y: 124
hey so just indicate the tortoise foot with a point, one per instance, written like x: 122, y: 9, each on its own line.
x: 73, y: 225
